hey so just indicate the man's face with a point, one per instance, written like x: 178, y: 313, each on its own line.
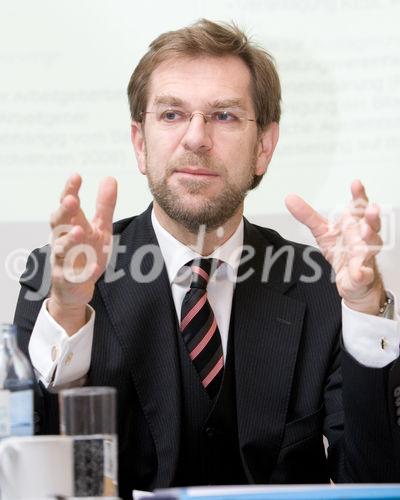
x: 198, y: 171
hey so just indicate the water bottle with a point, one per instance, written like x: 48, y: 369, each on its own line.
x: 16, y: 386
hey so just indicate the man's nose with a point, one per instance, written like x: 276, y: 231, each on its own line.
x: 197, y: 136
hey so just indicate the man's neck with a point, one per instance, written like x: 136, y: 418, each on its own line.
x: 204, y: 242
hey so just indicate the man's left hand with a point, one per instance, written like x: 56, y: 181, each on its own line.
x: 350, y: 245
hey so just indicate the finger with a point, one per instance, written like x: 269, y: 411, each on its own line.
x: 373, y: 217
x: 69, y: 214
x: 66, y: 271
x: 361, y: 243
x: 369, y: 235
x: 68, y: 209
x: 358, y: 190
x: 105, y: 202
x: 305, y: 214
x: 356, y: 231
x: 361, y: 275
x: 72, y: 186
x: 359, y: 201
x: 371, y: 239
x: 63, y: 244
x: 360, y: 238
x: 72, y: 260
x: 359, y: 255
x: 365, y: 247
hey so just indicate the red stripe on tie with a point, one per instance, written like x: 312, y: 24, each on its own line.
x: 214, y: 372
x: 200, y: 271
x: 204, y: 341
x: 192, y: 313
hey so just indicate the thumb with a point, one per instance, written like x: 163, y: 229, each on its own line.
x: 305, y: 214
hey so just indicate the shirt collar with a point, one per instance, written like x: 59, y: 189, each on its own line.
x: 176, y: 254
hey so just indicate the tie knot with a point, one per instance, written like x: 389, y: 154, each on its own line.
x: 202, y: 270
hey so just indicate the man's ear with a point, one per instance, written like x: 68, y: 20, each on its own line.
x: 267, y: 141
x: 137, y: 138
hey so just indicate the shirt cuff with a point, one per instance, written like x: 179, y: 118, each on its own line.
x: 372, y: 340
x: 58, y: 358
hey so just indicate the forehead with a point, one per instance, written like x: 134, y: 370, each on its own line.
x: 198, y: 81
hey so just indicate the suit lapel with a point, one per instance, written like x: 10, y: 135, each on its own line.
x: 267, y: 330
x: 145, y: 324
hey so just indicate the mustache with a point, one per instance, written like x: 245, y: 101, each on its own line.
x: 198, y: 160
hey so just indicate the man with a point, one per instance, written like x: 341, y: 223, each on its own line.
x: 229, y: 373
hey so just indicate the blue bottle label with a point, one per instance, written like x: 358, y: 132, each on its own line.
x: 16, y: 413
x: 4, y: 413
x: 21, y: 413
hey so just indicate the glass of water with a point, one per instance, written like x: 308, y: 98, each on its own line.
x: 89, y: 415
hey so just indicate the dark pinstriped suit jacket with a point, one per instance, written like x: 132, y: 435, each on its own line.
x: 293, y: 382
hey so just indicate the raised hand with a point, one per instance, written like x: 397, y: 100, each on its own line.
x: 350, y: 245
x: 80, y: 251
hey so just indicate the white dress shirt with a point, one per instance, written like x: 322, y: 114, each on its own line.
x: 221, y: 286
x: 61, y: 360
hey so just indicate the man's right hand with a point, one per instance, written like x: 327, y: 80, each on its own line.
x: 75, y: 273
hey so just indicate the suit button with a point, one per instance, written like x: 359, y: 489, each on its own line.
x: 210, y: 432
x: 396, y: 392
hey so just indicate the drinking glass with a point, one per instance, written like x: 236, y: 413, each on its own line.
x: 88, y: 414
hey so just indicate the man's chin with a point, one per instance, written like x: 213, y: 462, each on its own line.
x: 197, y: 202
x: 196, y: 216
x: 196, y: 189
x: 209, y: 206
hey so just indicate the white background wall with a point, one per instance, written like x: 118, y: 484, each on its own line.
x: 64, y: 67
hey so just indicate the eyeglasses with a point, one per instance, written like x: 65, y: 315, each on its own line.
x: 220, y: 120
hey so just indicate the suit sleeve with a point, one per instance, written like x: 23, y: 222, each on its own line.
x: 360, y: 420
x: 362, y: 423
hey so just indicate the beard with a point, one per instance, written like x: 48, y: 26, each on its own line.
x: 208, y: 212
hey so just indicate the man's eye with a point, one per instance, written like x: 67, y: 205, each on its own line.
x: 224, y: 116
x: 170, y: 116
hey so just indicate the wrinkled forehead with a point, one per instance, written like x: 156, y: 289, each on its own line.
x: 199, y: 82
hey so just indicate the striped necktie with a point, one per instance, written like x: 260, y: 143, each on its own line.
x: 199, y: 328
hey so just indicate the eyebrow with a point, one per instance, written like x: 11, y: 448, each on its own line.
x: 227, y: 103
x: 170, y: 100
